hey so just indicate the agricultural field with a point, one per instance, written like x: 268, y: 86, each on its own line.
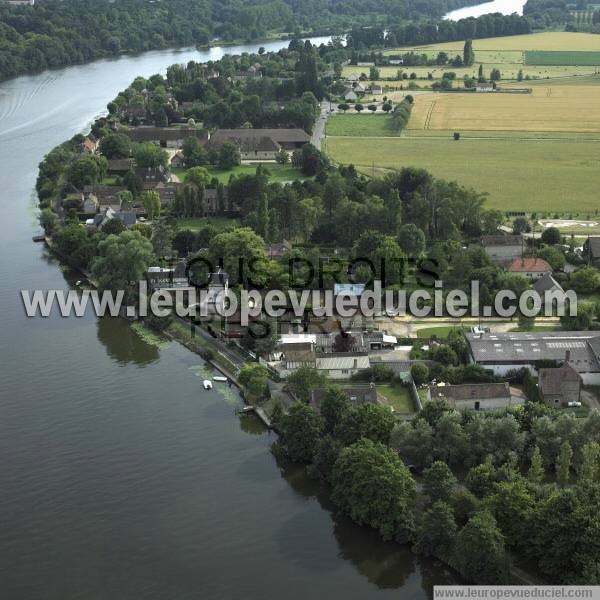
x: 552, y: 57
x: 363, y: 125
x: 538, y: 151
x: 567, y: 109
x: 549, y: 40
x: 547, y: 176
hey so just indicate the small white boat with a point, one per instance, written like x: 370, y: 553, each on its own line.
x: 246, y: 409
x: 219, y: 378
x: 207, y: 384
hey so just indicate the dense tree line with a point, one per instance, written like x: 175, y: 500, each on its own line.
x: 531, y: 488
x: 55, y: 33
x: 408, y: 34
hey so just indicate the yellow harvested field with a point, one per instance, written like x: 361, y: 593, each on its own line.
x: 562, y: 108
x: 551, y: 40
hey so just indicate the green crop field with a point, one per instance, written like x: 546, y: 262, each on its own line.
x: 545, y: 57
x: 360, y: 125
x: 548, y: 176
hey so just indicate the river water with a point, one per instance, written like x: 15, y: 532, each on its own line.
x: 506, y: 7
x: 120, y: 477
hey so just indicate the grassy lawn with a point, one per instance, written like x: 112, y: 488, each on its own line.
x: 557, y: 176
x: 278, y: 172
x: 440, y: 332
x: 360, y: 125
x: 397, y: 396
x: 195, y: 223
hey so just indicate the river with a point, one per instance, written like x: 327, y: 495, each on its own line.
x: 120, y: 477
x: 506, y: 7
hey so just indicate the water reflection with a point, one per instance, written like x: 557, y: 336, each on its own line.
x: 122, y: 344
x: 387, y: 565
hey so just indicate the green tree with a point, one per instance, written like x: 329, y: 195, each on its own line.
x: 468, y: 54
x: 151, y: 202
x: 479, y: 554
x: 520, y: 225
x: 589, y: 467
x: 436, y: 531
x: 420, y: 373
x: 512, y: 505
x: 371, y: 421
x: 122, y: 261
x: 162, y: 238
x: 197, y: 176
x: 563, y: 463
x: 254, y: 378
x: 358, y: 107
x: 301, y: 431
x: 585, y: 280
x: 582, y: 321
x: 239, y: 245
x: 439, y: 482
x: 87, y: 170
x: 303, y: 380
x: 412, y: 240
x: 536, y: 469
x: 282, y: 157
x: 373, y: 486
x: 551, y: 236
x: 229, y: 156
x: 481, y: 479
x: 48, y: 220
x: 150, y: 155
x: 554, y: 257
x: 310, y: 212
x: 334, y: 407
x: 414, y: 442
x: 115, y: 145
x: 495, y: 75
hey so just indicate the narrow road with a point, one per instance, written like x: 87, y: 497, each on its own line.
x: 319, y: 129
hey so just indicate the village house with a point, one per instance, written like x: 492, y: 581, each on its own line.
x: 503, y: 248
x: 591, y: 250
x: 342, y: 365
x: 120, y: 166
x: 167, y: 137
x: 560, y: 385
x: 134, y: 114
x: 375, y: 90
x: 89, y: 145
x: 102, y: 197
x: 152, y: 175
x: 477, y: 396
x: 532, y: 268
x: 547, y: 287
x: 167, y: 191
x: 504, y: 352
x: 277, y: 249
x: 127, y: 218
x: 350, y: 95
x: 260, y: 144
x: 178, y: 160
x: 358, y: 395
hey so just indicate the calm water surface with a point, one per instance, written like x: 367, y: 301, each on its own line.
x: 120, y: 477
x: 506, y: 7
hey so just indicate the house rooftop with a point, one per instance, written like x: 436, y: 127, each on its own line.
x: 551, y: 380
x: 501, y: 240
x: 529, y: 265
x: 529, y: 347
x: 470, y: 391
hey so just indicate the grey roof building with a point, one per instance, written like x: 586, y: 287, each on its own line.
x: 478, y: 396
x: 502, y: 352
